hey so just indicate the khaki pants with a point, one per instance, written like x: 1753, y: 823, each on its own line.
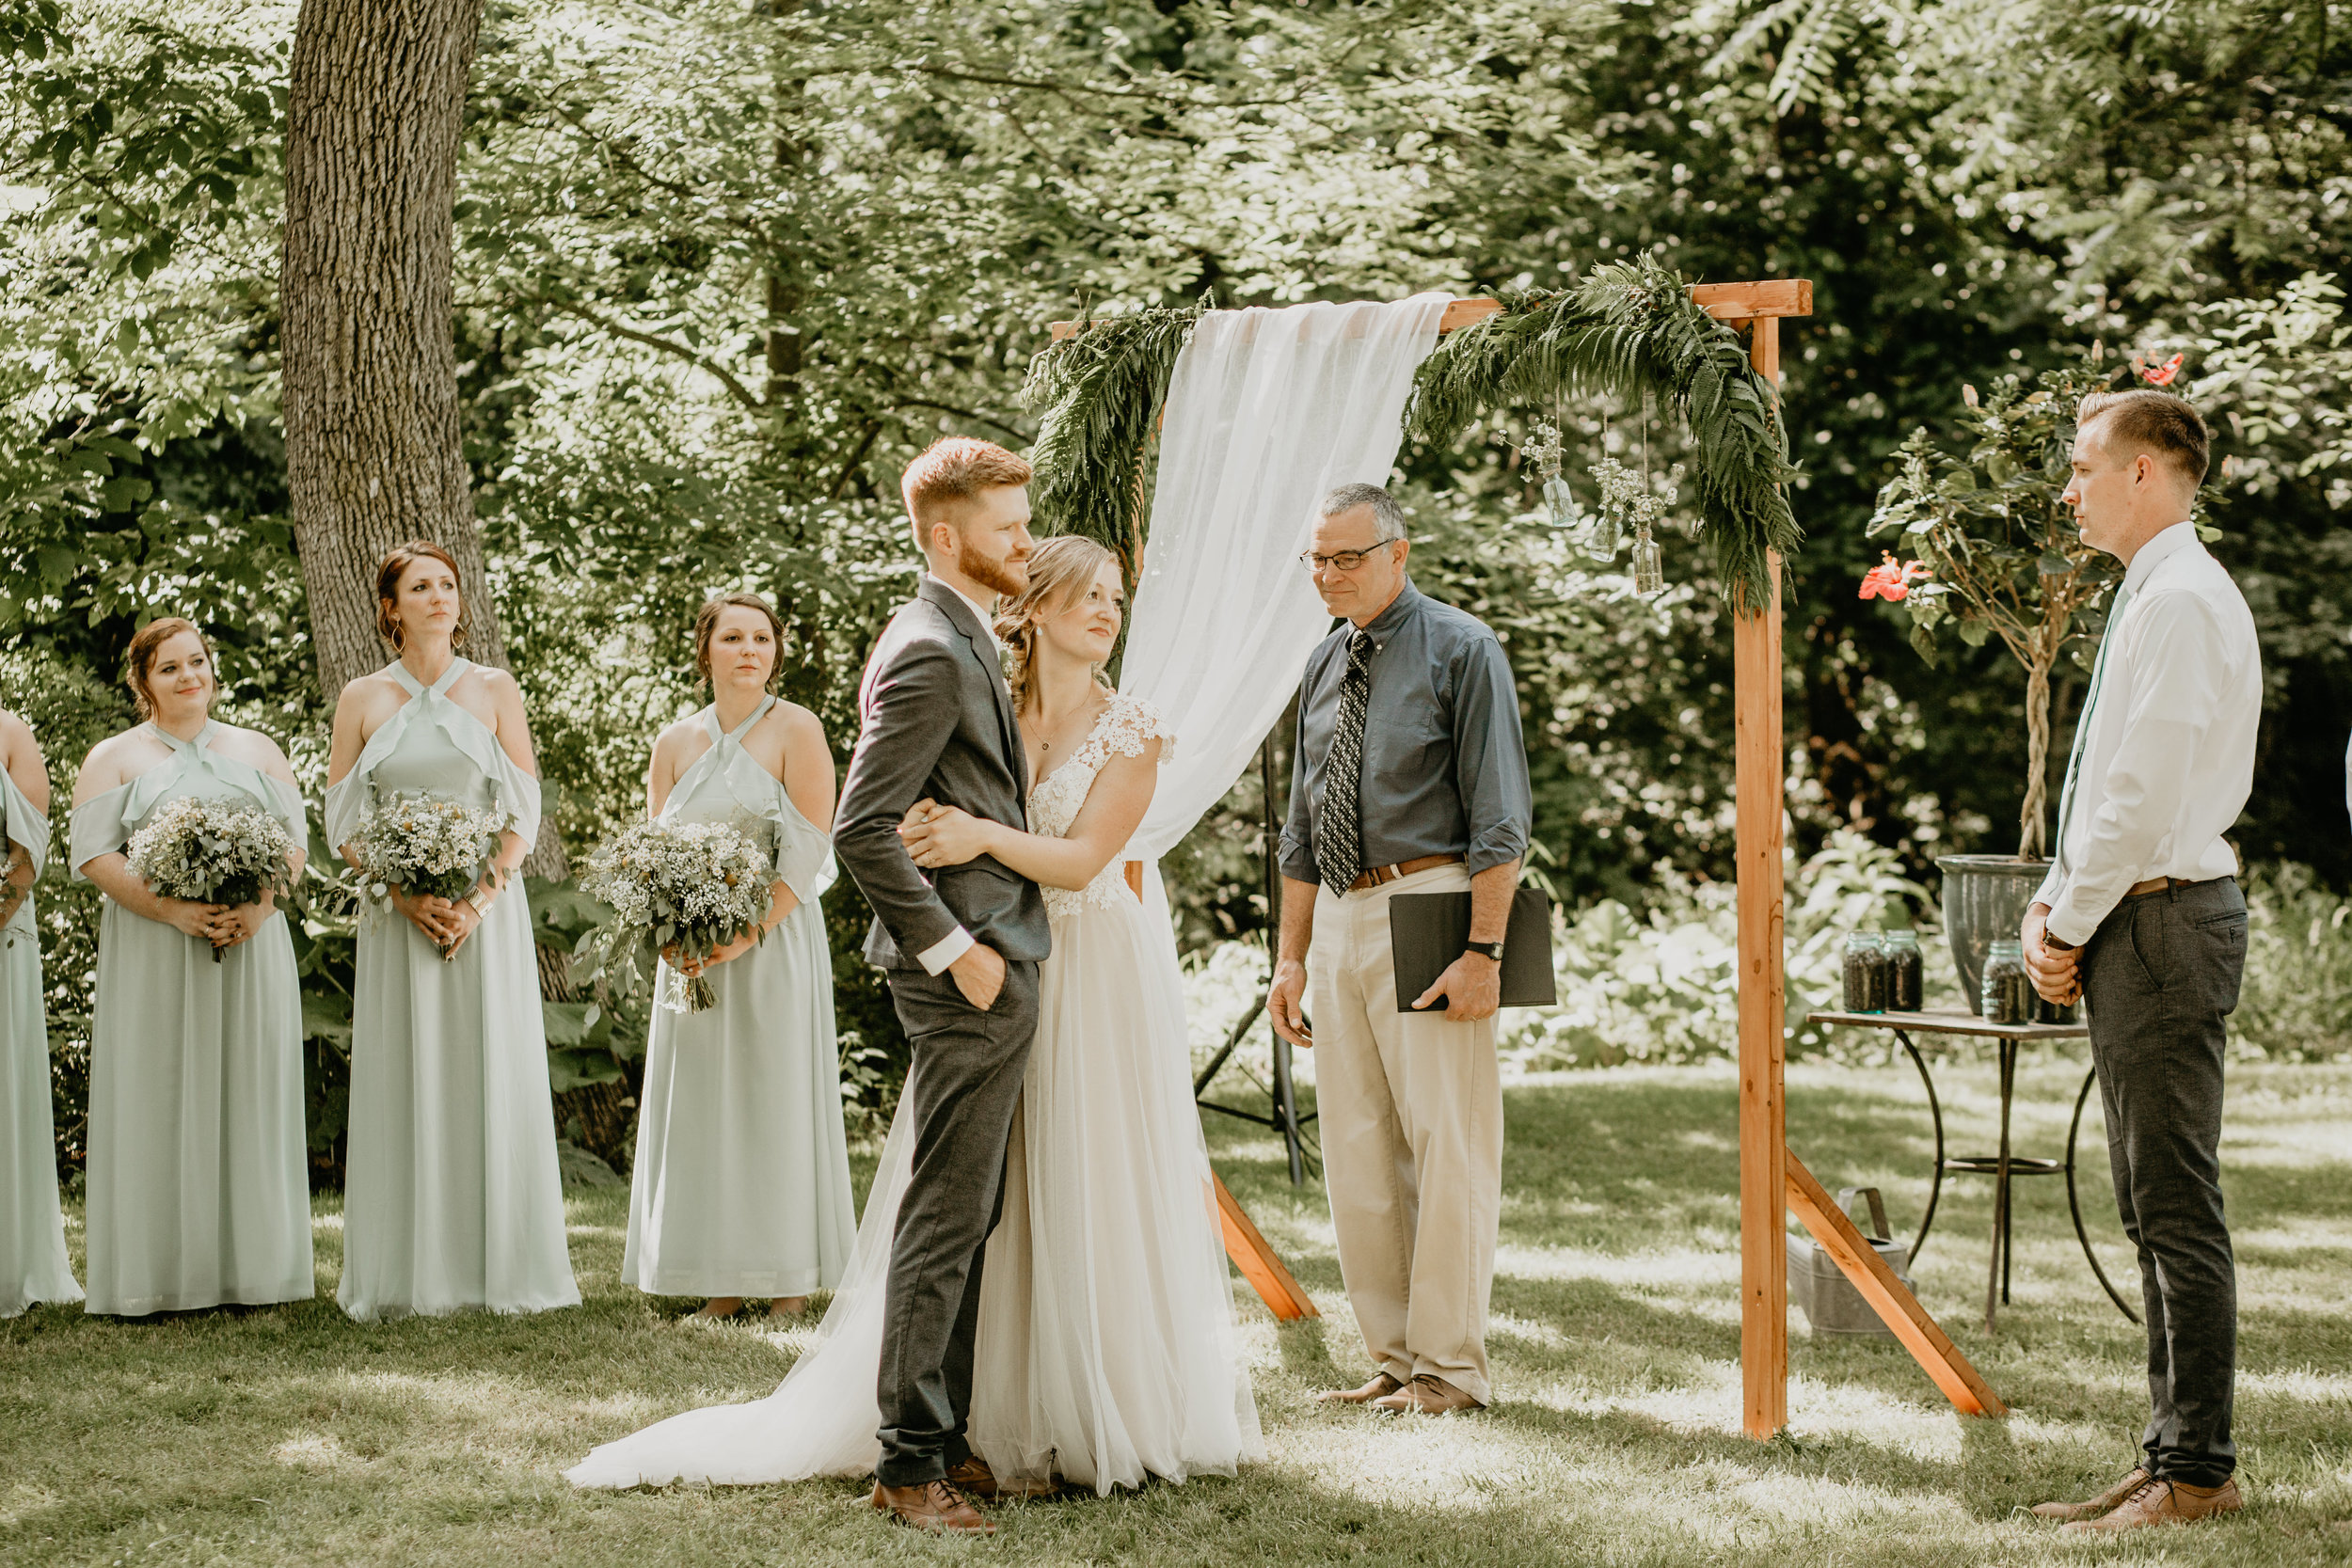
x: 1411, y: 1111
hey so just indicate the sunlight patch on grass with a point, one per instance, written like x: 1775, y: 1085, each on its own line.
x: 310, y: 1451
x: 1684, y: 1268
x: 22, y: 1501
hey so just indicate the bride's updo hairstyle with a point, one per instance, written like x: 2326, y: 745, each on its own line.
x: 1059, y: 570
x: 147, y: 644
x: 707, y: 627
x: 396, y: 563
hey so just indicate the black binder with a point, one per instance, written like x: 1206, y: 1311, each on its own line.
x: 1427, y: 931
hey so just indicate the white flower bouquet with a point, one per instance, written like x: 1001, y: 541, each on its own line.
x: 213, y: 852
x: 425, y: 845
x: 691, y: 886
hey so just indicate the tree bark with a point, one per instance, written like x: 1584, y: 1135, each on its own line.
x: 374, y: 451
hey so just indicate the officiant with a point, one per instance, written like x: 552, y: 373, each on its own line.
x: 1410, y: 776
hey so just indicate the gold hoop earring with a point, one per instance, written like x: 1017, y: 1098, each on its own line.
x: 399, y: 637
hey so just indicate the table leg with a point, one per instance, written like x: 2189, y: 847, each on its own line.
x: 1935, y: 1111
x: 2074, y: 1202
x: 1995, y: 1280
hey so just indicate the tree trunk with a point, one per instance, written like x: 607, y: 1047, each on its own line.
x: 2032, y: 841
x: 373, y: 452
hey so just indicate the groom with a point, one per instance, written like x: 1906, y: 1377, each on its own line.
x: 960, y: 949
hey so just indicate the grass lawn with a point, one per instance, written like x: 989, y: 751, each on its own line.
x: 292, y: 1435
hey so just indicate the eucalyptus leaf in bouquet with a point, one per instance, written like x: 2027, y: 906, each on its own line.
x: 692, y: 887
x: 213, y: 851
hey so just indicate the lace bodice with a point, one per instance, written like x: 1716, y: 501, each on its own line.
x: 1121, y: 730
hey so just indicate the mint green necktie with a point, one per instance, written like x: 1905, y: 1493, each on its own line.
x: 2082, y: 724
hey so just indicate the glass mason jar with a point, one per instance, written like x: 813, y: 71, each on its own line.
x: 1906, y: 980
x: 2008, y: 993
x: 1866, y: 973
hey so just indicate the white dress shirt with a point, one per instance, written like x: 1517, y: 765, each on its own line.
x: 2168, y: 758
x: 956, y: 943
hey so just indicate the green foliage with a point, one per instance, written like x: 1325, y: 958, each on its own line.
x: 2295, y: 1004
x: 1630, y: 329
x: 1099, y: 392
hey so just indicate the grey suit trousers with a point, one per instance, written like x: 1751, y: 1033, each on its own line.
x: 963, y: 1087
x: 2158, y: 977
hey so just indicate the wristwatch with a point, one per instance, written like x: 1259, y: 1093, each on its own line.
x: 1485, y: 949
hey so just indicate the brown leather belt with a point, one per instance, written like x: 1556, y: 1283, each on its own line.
x: 1380, y: 874
x: 2160, y: 884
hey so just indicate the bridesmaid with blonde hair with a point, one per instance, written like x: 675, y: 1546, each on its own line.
x: 198, y: 1181
x: 33, y: 1263
x: 453, y: 1197
x: 742, y: 1183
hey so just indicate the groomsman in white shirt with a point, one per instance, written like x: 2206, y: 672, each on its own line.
x: 2141, y: 917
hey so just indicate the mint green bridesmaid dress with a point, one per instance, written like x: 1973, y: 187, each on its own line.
x: 33, y: 1264
x: 741, y: 1182
x: 199, y: 1188
x: 451, y: 1195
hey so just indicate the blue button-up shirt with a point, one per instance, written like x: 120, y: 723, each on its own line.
x: 1444, y: 766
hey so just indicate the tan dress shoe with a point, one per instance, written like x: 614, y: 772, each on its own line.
x: 1378, y: 1388
x: 974, y: 1478
x: 1427, y: 1395
x: 2104, y: 1502
x: 934, y: 1506
x: 2166, y: 1502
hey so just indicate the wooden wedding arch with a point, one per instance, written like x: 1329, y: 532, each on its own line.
x: 1092, y: 447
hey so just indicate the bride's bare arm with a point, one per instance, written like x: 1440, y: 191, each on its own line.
x: 1121, y: 793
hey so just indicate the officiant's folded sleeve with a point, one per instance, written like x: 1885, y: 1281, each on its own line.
x: 1491, y: 757
x: 911, y: 714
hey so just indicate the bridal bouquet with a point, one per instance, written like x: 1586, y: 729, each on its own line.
x: 425, y: 845
x: 692, y: 886
x: 213, y: 852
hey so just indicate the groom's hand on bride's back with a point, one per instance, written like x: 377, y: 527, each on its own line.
x: 979, y: 974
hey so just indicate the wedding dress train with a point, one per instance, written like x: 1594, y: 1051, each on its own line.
x: 1106, y: 1348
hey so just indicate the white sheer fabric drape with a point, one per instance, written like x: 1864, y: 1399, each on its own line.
x: 1267, y: 411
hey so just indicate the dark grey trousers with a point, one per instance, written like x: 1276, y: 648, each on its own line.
x: 2158, y: 977
x: 963, y: 1089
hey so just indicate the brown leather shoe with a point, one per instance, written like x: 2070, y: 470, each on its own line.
x: 2104, y: 1502
x: 974, y: 1478
x: 2166, y: 1502
x: 1427, y: 1395
x: 1378, y: 1388
x: 933, y: 1506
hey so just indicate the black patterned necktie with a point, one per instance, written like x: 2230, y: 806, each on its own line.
x: 1339, y: 820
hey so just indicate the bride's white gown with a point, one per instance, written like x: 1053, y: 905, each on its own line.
x: 1106, y: 1350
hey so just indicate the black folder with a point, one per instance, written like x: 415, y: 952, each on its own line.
x: 1427, y: 931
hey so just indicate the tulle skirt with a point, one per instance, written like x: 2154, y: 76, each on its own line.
x: 1106, y: 1348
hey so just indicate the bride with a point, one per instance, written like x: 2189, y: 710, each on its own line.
x: 1107, y: 1352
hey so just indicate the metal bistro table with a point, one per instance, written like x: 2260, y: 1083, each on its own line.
x: 2005, y: 1164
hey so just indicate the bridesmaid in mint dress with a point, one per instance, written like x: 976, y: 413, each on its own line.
x: 33, y: 1264
x: 451, y: 1195
x: 741, y: 1182
x: 198, y: 1187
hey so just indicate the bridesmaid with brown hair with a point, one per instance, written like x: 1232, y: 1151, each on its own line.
x: 199, y: 1188
x: 453, y: 1197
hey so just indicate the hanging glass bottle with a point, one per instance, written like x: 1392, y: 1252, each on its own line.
x: 1544, y: 449
x: 1649, y: 568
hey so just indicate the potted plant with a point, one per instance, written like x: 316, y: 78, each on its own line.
x: 1996, y: 553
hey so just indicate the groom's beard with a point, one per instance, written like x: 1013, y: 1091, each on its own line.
x: 997, y: 575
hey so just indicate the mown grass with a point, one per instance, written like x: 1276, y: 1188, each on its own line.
x: 291, y: 1435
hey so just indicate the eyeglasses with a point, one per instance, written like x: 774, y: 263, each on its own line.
x: 1340, y: 561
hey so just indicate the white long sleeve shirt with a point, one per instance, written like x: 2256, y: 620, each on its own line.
x: 2168, y: 758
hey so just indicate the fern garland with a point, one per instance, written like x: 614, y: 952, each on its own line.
x: 1099, y: 392
x: 1631, y: 327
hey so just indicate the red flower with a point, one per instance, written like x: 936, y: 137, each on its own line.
x: 2161, y: 375
x: 1890, y: 581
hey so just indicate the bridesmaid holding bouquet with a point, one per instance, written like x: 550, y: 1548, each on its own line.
x: 199, y: 1181
x: 33, y: 1263
x: 741, y: 1182
x: 453, y: 1197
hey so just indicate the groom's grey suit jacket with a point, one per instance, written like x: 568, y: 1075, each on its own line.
x: 936, y: 723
